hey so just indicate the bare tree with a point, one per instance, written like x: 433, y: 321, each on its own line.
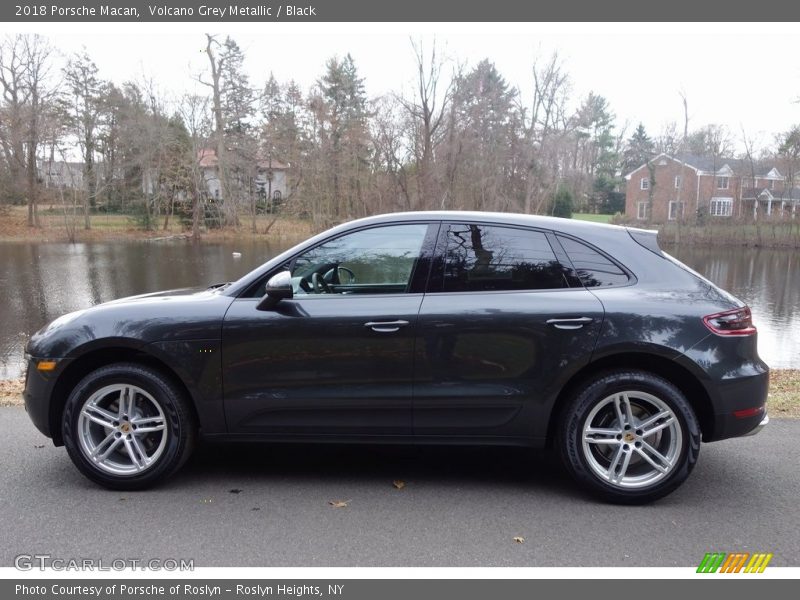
x: 543, y: 128
x: 216, y: 66
x: 15, y: 98
x: 391, y: 151
x: 87, y: 91
x: 24, y: 75
x: 193, y: 111
x: 426, y: 113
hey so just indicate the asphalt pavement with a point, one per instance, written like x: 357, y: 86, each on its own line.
x: 270, y: 506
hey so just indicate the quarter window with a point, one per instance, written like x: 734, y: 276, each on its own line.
x: 592, y: 268
x: 480, y: 258
x: 677, y: 181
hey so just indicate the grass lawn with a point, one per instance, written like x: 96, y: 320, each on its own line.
x: 592, y: 218
x: 111, y: 226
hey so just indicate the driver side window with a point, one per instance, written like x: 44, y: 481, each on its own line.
x: 372, y: 261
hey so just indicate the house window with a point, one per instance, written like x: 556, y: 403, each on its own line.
x: 677, y: 181
x: 675, y: 210
x: 723, y: 183
x: 643, y: 210
x: 644, y: 184
x: 771, y: 184
x: 721, y: 207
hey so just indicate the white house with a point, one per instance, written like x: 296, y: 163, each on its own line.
x: 270, y: 180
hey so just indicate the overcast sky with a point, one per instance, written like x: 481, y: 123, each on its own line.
x: 740, y: 75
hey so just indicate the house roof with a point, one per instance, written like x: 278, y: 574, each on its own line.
x: 207, y: 158
x: 710, y: 164
x: 787, y: 194
x: 60, y: 164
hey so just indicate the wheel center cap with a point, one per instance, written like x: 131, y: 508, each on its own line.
x: 629, y: 437
x: 125, y: 427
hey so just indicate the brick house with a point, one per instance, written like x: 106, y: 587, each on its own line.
x: 668, y: 188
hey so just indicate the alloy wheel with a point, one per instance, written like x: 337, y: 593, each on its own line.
x: 632, y: 439
x: 122, y: 429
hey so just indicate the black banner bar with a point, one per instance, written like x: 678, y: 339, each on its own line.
x: 397, y: 11
x: 392, y: 589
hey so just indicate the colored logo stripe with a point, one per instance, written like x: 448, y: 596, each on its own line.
x: 734, y: 562
x: 758, y: 563
x: 711, y: 562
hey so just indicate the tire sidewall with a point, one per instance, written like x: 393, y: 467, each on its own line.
x: 604, y: 386
x: 161, y: 390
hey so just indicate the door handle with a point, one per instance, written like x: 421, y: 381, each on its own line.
x: 385, y: 326
x: 576, y: 323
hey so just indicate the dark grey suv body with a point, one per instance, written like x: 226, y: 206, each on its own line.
x: 441, y: 327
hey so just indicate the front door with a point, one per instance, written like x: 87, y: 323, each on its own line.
x: 337, y: 358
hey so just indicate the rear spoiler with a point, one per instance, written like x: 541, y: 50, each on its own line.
x: 647, y: 238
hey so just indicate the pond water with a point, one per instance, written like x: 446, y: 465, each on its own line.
x: 40, y: 281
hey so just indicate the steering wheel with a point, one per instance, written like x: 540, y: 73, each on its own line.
x: 319, y: 284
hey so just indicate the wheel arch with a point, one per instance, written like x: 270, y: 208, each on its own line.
x: 94, y: 359
x: 681, y: 377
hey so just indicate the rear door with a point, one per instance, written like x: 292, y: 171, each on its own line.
x: 503, y: 325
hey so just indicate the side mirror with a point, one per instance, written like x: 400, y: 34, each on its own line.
x: 279, y: 287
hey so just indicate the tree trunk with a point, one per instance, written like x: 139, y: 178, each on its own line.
x: 33, y: 211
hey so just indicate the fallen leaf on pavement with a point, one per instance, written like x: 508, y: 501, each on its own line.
x: 235, y: 491
x: 339, y: 503
x: 519, y: 539
x: 399, y: 484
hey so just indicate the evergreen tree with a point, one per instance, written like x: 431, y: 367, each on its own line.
x: 639, y: 149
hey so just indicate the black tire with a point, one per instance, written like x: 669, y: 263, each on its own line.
x: 583, y: 467
x: 179, y: 424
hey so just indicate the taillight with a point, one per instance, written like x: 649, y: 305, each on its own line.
x: 746, y: 413
x: 738, y: 321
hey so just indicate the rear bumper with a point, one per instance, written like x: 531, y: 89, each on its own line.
x: 729, y: 426
x: 739, y: 406
x: 764, y: 422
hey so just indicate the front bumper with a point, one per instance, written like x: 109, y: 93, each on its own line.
x: 38, y: 396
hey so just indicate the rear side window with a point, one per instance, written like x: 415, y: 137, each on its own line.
x: 592, y: 268
x: 481, y: 258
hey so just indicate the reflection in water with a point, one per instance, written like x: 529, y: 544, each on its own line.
x: 769, y: 281
x: 39, y: 282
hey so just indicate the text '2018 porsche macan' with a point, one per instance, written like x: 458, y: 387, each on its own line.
x: 430, y: 327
